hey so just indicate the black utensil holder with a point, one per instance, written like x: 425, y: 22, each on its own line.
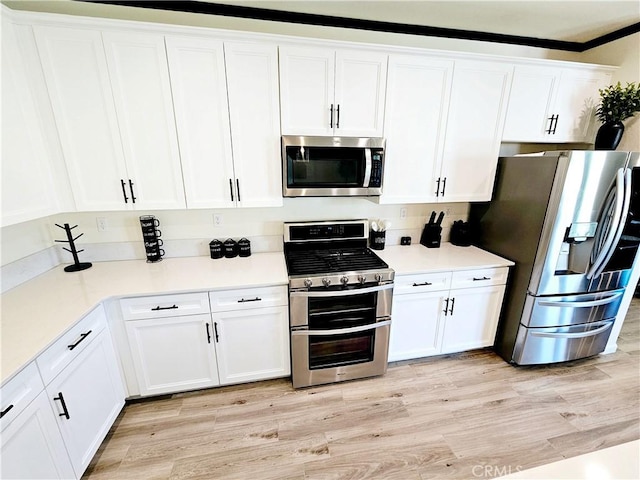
x: 431, y: 236
x: 377, y: 240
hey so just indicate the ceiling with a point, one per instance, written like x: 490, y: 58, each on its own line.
x: 573, y: 25
x: 571, y: 21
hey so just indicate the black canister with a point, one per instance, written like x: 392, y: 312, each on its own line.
x: 215, y: 248
x: 244, y: 247
x: 230, y: 248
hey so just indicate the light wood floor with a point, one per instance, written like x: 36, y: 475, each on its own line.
x: 461, y: 416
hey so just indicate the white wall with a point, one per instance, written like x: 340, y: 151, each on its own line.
x: 626, y: 54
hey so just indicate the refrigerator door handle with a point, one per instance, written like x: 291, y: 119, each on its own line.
x: 589, y: 303
x: 623, y: 199
x: 589, y: 333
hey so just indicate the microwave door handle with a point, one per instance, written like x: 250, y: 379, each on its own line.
x: 367, y: 167
x: 607, y: 248
x: 342, y: 331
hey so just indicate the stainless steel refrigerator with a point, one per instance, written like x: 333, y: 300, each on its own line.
x: 570, y: 221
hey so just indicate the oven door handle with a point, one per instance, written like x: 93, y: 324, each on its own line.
x: 341, y: 293
x: 342, y: 331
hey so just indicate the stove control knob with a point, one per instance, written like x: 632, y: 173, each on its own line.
x: 308, y: 283
x: 362, y: 279
x: 344, y: 280
x: 326, y: 282
x: 378, y: 277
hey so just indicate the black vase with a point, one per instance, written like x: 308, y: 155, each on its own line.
x: 609, y: 136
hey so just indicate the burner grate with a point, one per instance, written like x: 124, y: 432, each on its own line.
x: 315, y: 262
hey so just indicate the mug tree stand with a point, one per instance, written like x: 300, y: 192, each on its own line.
x: 77, y: 264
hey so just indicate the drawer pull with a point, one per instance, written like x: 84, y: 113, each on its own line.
x: 425, y: 284
x: 6, y: 410
x: 481, y: 279
x: 82, y: 337
x: 243, y: 300
x: 65, y: 412
x: 172, y: 307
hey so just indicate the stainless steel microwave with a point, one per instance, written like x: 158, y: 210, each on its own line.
x: 332, y: 166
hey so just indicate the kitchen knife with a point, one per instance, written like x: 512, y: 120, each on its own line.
x: 433, y: 217
x: 440, y: 217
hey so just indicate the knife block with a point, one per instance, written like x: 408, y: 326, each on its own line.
x: 431, y: 235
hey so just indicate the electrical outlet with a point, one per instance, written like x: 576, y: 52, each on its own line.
x: 217, y: 219
x: 403, y: 212
x: 101, y: 222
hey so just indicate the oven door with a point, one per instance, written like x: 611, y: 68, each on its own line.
x: 327, y: 356
x: 336, y: 308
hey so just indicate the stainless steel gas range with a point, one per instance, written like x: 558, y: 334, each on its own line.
x: 340, y: 295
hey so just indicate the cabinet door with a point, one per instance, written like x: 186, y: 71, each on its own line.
x: 142, y: 93
x: 360, y: 85
x: 252, y: 344
x: 415, y: 117
x: 76, y: 74
x: 472, y: 318
x: 416, y: 326
x: 474, y: 130
x: 575, y: 104
x: 530, y: 103
x: 87, y: 397
x: 307, y: 90
x: 173, y: 354
x: 199, y: 87
x: 28, y: 191
x: 32, y: 446
x: 252, y: 80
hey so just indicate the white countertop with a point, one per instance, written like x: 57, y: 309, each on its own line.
x: 37, y: 312
x: 416, y: 258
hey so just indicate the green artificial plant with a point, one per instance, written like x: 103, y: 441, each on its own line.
x: 617, y: 103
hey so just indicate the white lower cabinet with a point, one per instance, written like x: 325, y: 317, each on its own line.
x: 252, y: 344
x: 199, y: 340
x: 32, y: 446
x: 87, y: 397
x: 472, y: 318
x: 416, y: 326
x: 173, y: 354
x: 445, y: 312
x: 57, y: 411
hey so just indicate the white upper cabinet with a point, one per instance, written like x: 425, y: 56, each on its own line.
x: 252, y: 82
x: 199, y: 86
x: 477, y: 110
x: 140, y: 80
x: 326, y: 92
x: 76, y: 74
x: 28, y: 189
x: 417, y: 103
x: 553, y: 104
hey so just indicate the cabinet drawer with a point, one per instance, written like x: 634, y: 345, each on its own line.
x: 55, y: 358
x: 225, y: 300
x: 424, y: 282
x: 160, y: 306
x: 19, y: 392
x: 480, y: 278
